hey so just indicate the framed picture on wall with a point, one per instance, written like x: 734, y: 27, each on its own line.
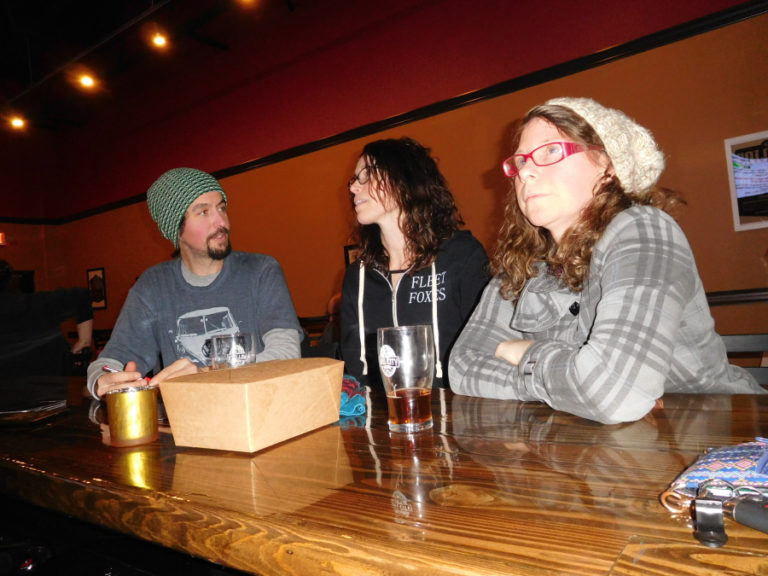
x: 351, y: 252
x: 97, y: 284
x: 747, y: 159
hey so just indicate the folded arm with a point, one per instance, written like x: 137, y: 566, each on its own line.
x: 614, y: 366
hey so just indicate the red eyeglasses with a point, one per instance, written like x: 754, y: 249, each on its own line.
x: 544, y: 155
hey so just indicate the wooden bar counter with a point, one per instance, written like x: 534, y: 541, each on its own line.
x: 497, y: 487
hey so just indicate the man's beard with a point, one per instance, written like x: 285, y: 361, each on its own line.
x: 219, y: 253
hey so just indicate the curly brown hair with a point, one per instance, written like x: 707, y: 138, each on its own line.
x: 521, y: 246
x: 407, y: 174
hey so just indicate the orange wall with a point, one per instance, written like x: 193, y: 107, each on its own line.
x: 25, y: 250
x: 124, y: 242
x: 692, y: 94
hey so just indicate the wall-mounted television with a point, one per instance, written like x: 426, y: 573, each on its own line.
x: 747, y: 159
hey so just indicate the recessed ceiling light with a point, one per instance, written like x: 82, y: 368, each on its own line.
x: 17, y: 122
x: 159, y: 40
x: 87, y: 81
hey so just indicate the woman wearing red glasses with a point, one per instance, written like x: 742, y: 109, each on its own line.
x: 596, y: 306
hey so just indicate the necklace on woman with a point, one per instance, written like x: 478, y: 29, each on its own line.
x: 393, y: 276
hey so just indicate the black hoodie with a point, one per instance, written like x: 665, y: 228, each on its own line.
x: 461, y: 271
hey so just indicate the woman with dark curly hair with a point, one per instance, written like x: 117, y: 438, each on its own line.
x: 596, y: 307
x: 415, y: 266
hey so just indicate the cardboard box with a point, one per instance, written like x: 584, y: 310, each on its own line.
x: 249, y: 408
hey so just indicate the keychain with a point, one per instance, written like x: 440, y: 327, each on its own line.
x: 715, y: 499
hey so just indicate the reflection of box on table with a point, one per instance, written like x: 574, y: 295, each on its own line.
x: 278, y: 480
x: 252, y: 407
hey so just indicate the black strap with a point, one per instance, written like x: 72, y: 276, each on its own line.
x: 708, y: 518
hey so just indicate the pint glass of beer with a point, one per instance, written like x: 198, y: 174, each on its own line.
x: 407, y: 364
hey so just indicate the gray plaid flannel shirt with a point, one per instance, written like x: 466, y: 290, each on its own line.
x: 642, y: 327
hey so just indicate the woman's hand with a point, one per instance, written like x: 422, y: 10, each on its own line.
x: 512, y: 350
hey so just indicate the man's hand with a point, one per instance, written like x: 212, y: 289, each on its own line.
x: 84, y: 336
x: 78, y: 346
x: 118, y: 380
x: 181, y: 367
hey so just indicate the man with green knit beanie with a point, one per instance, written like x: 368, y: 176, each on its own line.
x: 176, y: 306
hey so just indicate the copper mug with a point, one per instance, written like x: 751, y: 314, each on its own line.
x: 132, y: 415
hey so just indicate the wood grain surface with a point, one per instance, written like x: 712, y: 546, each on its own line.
x: 496, y: 487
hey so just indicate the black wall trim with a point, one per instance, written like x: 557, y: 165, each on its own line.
x: 670, y: 35
x: 727, y: 297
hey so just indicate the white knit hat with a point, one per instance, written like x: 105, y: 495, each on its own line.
x: 635, y: 155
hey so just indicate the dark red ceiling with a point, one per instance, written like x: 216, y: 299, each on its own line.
x: 43, y: 42
x: 243, y: 82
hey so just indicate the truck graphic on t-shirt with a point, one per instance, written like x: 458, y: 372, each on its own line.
x: 195, y: 329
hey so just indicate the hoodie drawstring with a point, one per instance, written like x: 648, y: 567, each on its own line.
x: 361, y: 321
x: 435, y: 331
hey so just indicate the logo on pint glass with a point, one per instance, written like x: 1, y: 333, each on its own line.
x: 388, y: 361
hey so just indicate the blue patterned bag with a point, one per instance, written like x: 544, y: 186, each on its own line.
x: 727, y: 472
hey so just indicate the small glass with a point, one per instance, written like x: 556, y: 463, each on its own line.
x: 132, y: 415
x: 233, y: 350
x: 407, y: 364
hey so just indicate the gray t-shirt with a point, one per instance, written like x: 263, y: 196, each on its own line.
x: 165, y: 318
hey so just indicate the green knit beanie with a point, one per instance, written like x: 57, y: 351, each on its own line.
x: 171, y: 194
